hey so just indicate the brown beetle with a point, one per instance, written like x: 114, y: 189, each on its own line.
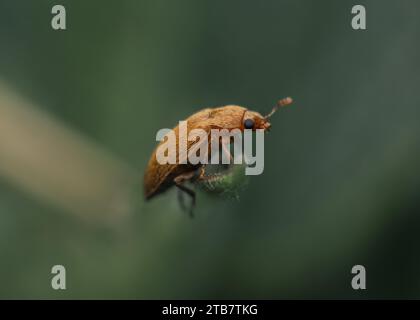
x: 158, y: 178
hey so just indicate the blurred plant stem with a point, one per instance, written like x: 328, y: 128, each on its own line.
x: 59, y: 166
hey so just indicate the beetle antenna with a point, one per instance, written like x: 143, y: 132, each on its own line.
x: 281, y: 103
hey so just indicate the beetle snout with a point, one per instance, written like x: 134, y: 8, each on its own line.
x: 267, y: 126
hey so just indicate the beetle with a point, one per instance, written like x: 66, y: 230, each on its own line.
x: 160, y: 177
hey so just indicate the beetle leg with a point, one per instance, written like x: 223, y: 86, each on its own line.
x: 208, y: 178
x: 181, y: 199
x: 202, y: 176
x: 202, y: 173
x: 178, y: 182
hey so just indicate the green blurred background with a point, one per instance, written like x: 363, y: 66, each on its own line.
x: 341, y: 181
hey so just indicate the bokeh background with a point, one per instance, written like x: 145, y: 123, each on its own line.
x: 79, y: 110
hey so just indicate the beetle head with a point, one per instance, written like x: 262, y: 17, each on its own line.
x: 254, y: 120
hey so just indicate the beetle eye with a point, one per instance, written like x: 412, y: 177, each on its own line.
x: 249, y: 124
